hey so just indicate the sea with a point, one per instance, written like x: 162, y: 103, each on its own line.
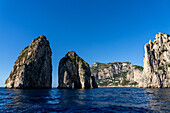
x: 100, y: 100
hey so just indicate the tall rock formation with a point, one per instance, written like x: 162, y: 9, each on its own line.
x: 33, y: 67
x: 74, y: 72
x: 116, y: 73
x: 156, y: 73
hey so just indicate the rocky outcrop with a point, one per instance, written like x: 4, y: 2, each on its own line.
x: 116, y: 73
x: 33, y: 67
x: 135, y: 73
x: 102, y: 70
x: 74, y: 72
x: 156, y: 73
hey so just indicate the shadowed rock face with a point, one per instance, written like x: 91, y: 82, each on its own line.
x: 156, y: 73
x: 33, y: 67
x: 74, y: 72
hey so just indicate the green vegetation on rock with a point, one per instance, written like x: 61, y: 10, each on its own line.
x: 119, y: 75
x: 168, y: 65
x: 138, y: 67
x: 117, y: 80
x: 113, y: 82
x: 73, y: 57
x: 164, y: 50
x: 23, y: 53
x: 125, y: 82
x: 156, y: 72
x: 42, y: 36
x: 161, y: 68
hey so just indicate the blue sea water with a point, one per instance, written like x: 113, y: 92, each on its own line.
x: 118, y: 99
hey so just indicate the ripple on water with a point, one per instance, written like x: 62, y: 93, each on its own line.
x: 85, y: 100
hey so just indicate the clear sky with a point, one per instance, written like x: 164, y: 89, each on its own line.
x: 98, y: 30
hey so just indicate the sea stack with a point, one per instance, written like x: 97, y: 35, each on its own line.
x: 33, y: 67
x: 74, y: 72
x: 156, y: 73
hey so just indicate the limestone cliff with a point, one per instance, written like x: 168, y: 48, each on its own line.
x: 116, y: 73
x: 135, y: 73
x: 74, y: 72
x: 33, y: 67
x: 156, y: 73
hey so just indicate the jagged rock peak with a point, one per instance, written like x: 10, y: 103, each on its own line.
x: 74, y: 72
x: 33, y: 67
x: 156, y: 72
x: 161, y: 36
x: 38, y: 38
x: 71, y: 53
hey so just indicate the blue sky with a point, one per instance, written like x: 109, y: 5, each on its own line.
x: 98, y: 30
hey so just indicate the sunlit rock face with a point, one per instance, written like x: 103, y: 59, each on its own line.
x: 102, y: 70
x: 116, y: 72
x: 33, y: 67
x: 135, y: 73
x: 156, y: 73
x: 74, y: 72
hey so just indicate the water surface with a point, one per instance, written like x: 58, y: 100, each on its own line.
x: 118, y: 99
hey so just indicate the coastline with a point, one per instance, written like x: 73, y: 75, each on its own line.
x: 117, y: 86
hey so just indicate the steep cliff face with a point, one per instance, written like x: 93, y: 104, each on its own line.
x: 102, y: 71
x: 74, y: 72
x: 135, y: 73
x: 33, y: 67
x: 156, y: 72
x: 116, y: 73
